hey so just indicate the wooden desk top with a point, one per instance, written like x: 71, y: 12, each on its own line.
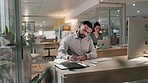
x: 44, y: 43
x: 111, y: 52
x: 112, y: 49
x: 115, y: 70
x: 48, y: 44
x: 113, y: 63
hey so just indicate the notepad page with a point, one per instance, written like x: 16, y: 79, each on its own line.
x: 59, y: 61
x: 140, y: 59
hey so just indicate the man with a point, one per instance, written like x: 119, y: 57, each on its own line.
x: 78, y: 46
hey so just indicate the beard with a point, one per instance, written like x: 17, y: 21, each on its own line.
x: 80, y: 35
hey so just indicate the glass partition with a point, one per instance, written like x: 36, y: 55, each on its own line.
x: 10, y: 58
x: 110, y: 20
x: 104, y: 21
x: 115, y: 27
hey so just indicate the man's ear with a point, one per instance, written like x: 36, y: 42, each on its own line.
x: 82, y: 25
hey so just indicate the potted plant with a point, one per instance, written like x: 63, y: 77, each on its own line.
x: 8, y: 35
x: 29, y: 39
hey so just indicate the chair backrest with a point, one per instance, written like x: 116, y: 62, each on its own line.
x: 46, y: 75
x: 38, y: 78
x: 34, y: 79
x: 49, y: 76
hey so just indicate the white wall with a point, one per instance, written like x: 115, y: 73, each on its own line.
x: 74, y: 25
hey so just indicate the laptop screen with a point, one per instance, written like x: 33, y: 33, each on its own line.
x: 105, y: 42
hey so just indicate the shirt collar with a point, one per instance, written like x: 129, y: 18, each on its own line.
x: 75, y: 34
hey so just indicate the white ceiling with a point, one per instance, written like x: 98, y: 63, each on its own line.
x: 52, y: 10
x: 142, y: 6
x: 49, y: 11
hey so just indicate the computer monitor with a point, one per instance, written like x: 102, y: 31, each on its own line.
x: 50, y: 34
x: 137, y: 37
x: 47, y: 34
x: 105, y: 42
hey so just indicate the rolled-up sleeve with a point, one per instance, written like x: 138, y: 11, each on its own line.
x: 62, y: 51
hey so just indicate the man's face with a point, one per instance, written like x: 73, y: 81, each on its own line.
x: 84, y: 31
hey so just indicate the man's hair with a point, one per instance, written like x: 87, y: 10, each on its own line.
x: 87, y: 23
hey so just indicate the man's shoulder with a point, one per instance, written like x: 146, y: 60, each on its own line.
x: 68, y: 37
x: 89, y: 38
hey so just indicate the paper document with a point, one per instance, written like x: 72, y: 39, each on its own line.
x: 60, y: 66
x: 140, y: 59
x: 59, y: 61
x: 101, y: 59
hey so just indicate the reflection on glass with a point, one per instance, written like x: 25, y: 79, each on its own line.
x: 110, y: 24
x: 7, y: 53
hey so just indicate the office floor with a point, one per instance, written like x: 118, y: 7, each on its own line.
x: 39, y: 66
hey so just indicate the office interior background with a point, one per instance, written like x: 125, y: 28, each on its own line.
x: 50, y: 21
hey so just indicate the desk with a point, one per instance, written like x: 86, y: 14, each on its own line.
x: 48, y: 49
x: 115, y: 70
x: 48, y: 45
x: 110, y: 52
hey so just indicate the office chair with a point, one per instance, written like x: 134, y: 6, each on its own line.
x: 46, y: 75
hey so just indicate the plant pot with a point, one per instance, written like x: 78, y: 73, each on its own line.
x: 10, y: 38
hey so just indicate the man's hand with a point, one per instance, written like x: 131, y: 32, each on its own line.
x: 72, y: 58
x: 81, y: 58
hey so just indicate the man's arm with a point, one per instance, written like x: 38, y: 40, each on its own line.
x: 62, y: 51
x: 92, y: 53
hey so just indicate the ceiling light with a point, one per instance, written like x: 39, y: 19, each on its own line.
x: 26, y: 19
x: 71, y: 21
x: 118, y: 10
x: 44, y: 21
x: 134, y: 4
x: 138, y: 11
x: 117, y: 15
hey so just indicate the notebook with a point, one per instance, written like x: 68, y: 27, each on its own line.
x: 71, y: 65
x: 74, y: 65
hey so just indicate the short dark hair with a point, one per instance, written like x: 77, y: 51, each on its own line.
x: 87, y: 23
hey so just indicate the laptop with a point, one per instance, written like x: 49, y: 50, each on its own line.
x: 105, y: 42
